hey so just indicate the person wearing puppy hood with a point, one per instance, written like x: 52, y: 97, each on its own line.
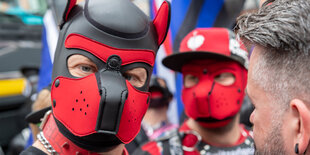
x: 214, y: 68
x: 102, y: 67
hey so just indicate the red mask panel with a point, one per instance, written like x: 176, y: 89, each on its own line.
x: 209, y: 102
x: 134, y: 110
x: 128, y: 55
x: 82, y: 102
x: 99, y: 104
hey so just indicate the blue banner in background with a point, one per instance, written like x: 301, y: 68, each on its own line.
x: 45, y: 73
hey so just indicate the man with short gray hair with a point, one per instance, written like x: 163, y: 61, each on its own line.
x: 278, y: 76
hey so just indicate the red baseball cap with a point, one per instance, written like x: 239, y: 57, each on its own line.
x: 208, y: 43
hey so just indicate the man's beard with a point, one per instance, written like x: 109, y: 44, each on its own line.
x: 274, y: 143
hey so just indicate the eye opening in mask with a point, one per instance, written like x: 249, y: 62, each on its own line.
x: 190, y: 80
x: 225, y: 78
x: 136, y: 76
x: 80, y: 65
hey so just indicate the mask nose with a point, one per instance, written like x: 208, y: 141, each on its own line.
x: 114, y: 92
x: 202, y: 94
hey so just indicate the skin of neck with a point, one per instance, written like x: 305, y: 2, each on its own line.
x: 118, y: 150
x: 226, y: 135
x: 154, y: 116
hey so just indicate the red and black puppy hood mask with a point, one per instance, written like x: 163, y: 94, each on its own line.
x: 103, y: 109
x: 206, y: 53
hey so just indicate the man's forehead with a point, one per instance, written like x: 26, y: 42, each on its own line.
x: 255, y: 90
x: 252, y: 85
x: 249, y: 88
x: 254, y: 57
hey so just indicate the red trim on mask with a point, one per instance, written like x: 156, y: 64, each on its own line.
x: 103, y: 51
x: 77, y: 98
x: 71, y: 5
x: 77, y: 107
x: 133, y: 112
x: 161, y: 22
x: 59, y: 142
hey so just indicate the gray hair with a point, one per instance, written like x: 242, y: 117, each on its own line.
x: 283, y: 30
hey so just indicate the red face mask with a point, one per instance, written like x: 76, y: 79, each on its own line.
x: 209, y: 102
x: 103, y: 102
x: 99, y: 110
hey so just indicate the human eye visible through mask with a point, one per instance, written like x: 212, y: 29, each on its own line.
x: 225, y: 78
x: 137, y: 76
x: 190, y: 80
x: 81, y: 66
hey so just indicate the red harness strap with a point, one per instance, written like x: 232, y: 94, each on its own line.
x: 60, y: 143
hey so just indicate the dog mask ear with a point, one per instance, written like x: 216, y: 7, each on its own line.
x: 162, y: 21
x: 65, y: 12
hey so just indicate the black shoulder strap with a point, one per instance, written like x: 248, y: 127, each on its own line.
x: 140, y: 139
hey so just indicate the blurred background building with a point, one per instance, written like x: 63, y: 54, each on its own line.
x: 20, y: 48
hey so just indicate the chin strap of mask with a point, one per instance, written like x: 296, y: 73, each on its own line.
x: 56, y: 141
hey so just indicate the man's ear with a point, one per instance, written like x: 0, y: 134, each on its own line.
x: 303, y: 130
x: 162, y: 21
